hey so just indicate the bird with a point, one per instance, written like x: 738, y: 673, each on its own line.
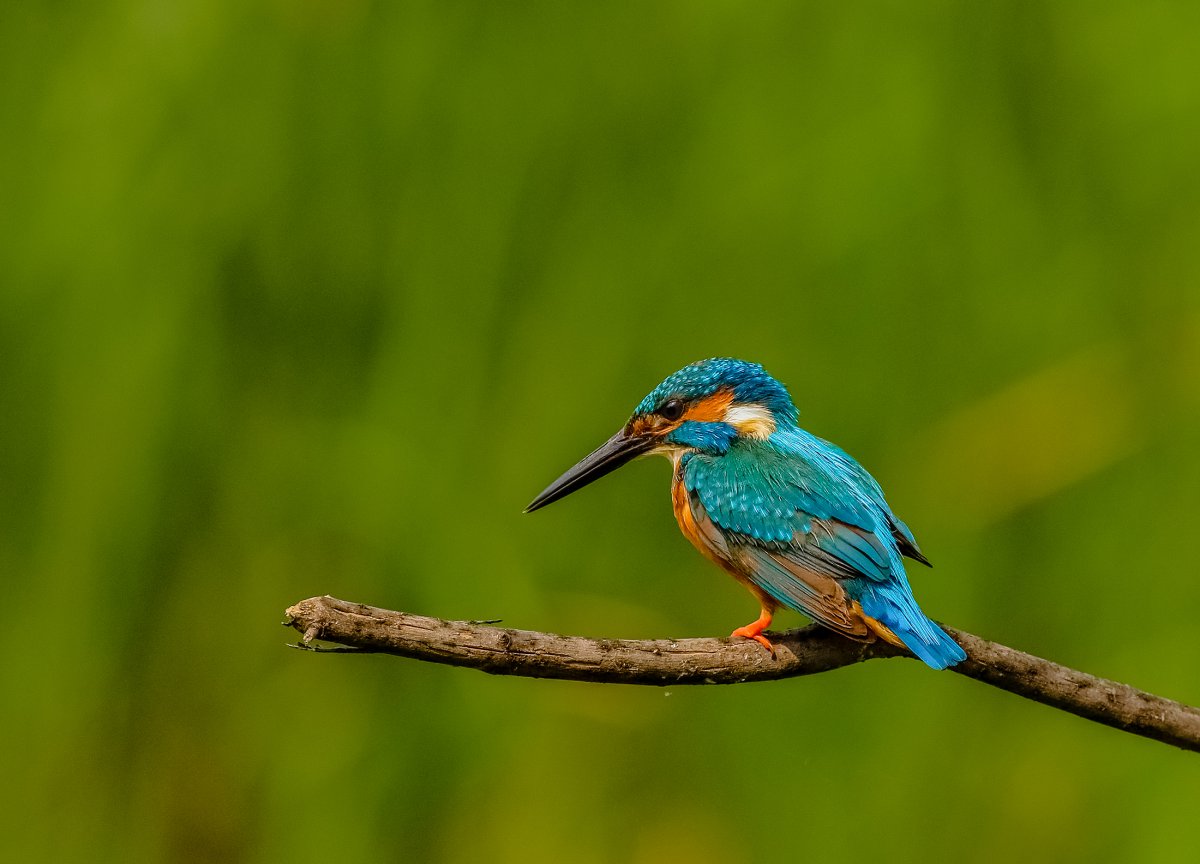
x: 792, y: 517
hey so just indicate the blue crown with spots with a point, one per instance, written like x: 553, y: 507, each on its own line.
x: 749, y: 382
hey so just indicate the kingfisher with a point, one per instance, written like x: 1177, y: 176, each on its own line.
x: 791, y: 516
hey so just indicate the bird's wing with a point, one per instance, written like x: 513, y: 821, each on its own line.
x: 801, y: 537
x: 803, y: 577
x: 791, y: 581
x: 832, y: 484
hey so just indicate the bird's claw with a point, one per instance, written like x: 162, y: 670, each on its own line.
x: 749, y: 632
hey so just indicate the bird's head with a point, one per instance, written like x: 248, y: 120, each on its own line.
x: 706, y: 406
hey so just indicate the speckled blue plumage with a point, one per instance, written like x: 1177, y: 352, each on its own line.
x: 794, y: 502
x: 749, y: 382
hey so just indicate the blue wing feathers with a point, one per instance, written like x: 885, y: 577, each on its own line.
x: 863, y: 550
x: 812, y: 528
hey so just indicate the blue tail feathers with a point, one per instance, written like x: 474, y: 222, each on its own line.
x: 922, y: 637
x: 938, y: 653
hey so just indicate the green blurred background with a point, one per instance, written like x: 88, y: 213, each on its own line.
x: 313, y: 297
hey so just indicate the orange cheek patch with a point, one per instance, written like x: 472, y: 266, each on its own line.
x: 711, y: 409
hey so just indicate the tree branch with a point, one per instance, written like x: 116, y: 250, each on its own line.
x: 662, y: 662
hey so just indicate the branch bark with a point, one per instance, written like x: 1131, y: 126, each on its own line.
x: 662, y: 662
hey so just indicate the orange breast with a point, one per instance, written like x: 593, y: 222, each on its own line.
x: 687, y: 524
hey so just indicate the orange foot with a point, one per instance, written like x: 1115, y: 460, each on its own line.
x: 755, y: 630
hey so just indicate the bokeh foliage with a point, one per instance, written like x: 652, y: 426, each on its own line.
x: 312, y: 297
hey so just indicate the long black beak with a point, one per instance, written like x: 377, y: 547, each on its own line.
x: 605, y: 459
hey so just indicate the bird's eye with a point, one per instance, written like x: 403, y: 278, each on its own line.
x: 671, y: 410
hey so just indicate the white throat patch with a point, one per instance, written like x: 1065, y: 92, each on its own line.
x: 753, y: 421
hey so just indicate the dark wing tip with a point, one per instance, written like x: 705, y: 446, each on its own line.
x: 911, y: 551
x: 906, y: 543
